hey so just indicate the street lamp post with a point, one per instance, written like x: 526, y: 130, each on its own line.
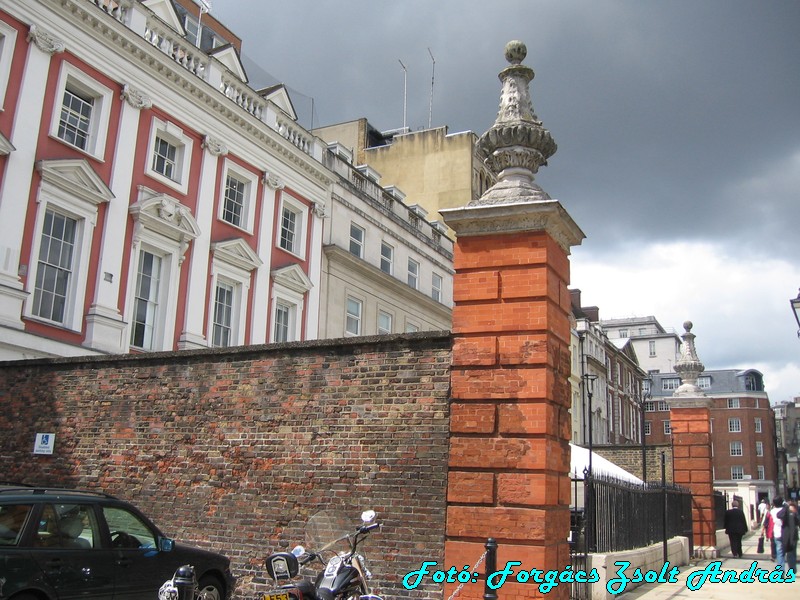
x: 645, y: 397
x: 795, y: 303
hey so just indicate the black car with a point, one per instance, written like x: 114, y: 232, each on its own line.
x: 64, y: 544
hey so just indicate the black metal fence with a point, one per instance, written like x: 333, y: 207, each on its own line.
x: 628, y: 516
x: 610, y: 515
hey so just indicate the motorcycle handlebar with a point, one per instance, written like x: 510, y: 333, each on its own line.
x: 370, y: 527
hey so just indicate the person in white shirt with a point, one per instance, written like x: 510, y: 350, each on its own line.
x: 776, y: 514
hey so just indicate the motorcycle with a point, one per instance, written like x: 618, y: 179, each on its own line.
x: 344, y: 575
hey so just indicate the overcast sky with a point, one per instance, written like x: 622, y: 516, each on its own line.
x: 678, y: 127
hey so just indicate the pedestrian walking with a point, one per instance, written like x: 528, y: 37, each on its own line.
x: 776, y: 517
x: 763, y: 509
x: 735, y: 527
x: 789, y: 534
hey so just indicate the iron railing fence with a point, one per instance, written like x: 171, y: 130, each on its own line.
x: 624, y: 516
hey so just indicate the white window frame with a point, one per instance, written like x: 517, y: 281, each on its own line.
x: 411, y: 326
x: 669, y: 384
x: 388, y: 318
x: 291, y: 320
x: 301, y: 211
x: 239, y: 280
x: 388, y: 260
x: 667, y: 427
x: 8, y: 42
x: 81, y: 207
x: 704, y: 382
x: 164, y: 226
x: 164, y: 324
x: 437, y: 282
x: 734, y: 425
x: 289, y: 288
x: 757, y: 425
x: 174, y: 135
x: 356, y: 243
x: 736, y: 449
x: 648, y: 425
x: 737, y: 472
x: 734, y: 403
x: 70, y: 269
x: 356, y: 318
x: 761, y: 473
x: 759, y: 448
x: 413, y: 274
x: 162, y: 309
x: 101, y: 96
x: 250, y: 181
x: 652, y: 348
x: 294, y: 302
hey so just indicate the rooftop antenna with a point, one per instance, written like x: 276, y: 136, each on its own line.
x: 433, y: 73
x: 405, y: 91
x: 205, y: 7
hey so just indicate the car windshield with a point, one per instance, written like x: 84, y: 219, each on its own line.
x: 12, y: 521
x: 128, y: 530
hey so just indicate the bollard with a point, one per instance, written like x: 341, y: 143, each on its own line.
x: 491, y: 567
x: 184, y: 582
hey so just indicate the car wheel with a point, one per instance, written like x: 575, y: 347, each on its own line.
x: 210, y: 588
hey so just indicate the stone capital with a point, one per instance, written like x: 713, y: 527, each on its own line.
x: 516, y: 217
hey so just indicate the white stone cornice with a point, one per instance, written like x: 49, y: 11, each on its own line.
x: 214, y: 146
x: 136, y: 98
x: 45, y: 41
x: 492, y: 219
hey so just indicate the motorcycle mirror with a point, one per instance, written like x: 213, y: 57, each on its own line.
x: 367, y: 516
x: 298, y: 551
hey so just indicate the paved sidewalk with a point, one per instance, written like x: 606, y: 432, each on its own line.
x: 721, y: 591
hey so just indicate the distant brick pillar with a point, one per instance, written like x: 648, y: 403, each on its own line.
x: 690, y: 424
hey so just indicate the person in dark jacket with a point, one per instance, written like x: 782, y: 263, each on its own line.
x: 735, y: 527
x: 789, y: 534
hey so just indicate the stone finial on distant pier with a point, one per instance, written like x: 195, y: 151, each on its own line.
x: 688, y: 366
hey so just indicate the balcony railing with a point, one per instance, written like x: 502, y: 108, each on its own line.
x: 142, y: 21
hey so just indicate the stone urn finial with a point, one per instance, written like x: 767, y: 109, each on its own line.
x: 516, y: 145
x: 688, y: 366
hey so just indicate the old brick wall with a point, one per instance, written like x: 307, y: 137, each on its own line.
x: 234, y: 450
x: 630, y: 459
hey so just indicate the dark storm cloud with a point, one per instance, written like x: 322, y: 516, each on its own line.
x: 666, y: 114
x: 678, y: 126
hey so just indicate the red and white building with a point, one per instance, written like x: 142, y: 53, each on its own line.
x: 149, y: 199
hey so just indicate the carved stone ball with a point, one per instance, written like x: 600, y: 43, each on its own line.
x: 516, y: 52
x: 687, y: 325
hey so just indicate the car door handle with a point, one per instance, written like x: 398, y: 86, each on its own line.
x: 124, y: 562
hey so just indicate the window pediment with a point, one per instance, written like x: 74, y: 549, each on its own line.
x: 165, y: 215
x: 164, y: 10
x: 293, y: 278
x: 76, y: 177
x: 238, y: 253
x: 279, y: 96
x: 229, y: 57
